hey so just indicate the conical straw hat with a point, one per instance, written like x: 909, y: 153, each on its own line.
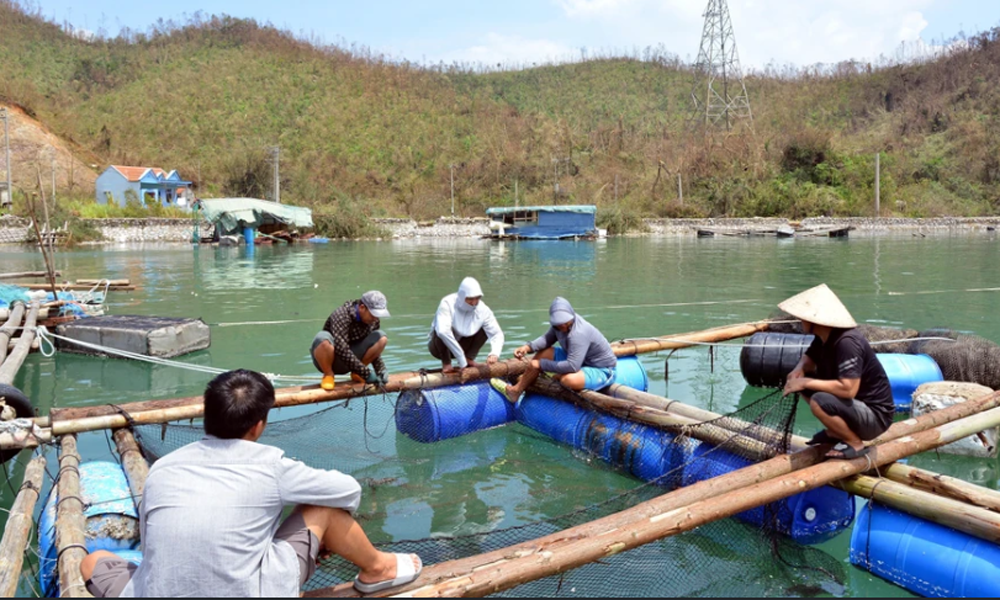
x: 821, y: 306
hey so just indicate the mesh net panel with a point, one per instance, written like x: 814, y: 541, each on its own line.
x: 407, y: 483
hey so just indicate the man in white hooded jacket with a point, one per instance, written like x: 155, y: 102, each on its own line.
x: 462, y: 325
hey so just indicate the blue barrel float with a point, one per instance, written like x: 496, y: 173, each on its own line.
x: 434, y: 414
x: 906, y: 372
x: 810, y: 517
x: 111, y: 520
x: 928, y: 559
x: 652, y: 454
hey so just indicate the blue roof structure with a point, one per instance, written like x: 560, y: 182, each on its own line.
x: 544, y: 222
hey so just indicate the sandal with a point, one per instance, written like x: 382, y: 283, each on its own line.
x: 407, y: 570
x: 501, y: 386
x: 847, y: 452
x: 822, y: 437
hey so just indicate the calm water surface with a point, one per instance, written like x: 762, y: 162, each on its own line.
x: 264, y: 309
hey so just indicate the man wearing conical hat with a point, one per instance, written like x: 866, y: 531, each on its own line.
x: 845, y: 385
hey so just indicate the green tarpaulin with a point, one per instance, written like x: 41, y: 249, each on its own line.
x: 233, y: 214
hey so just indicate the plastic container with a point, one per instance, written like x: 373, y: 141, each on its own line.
x: 631, y: 373
x: 768, y: 357
x: 112, y: 522
x: 906, y: 372
x: 248, y: 235
x: 434, y: 414
x: 810, y: 517
x: 645, y: 452
x: 928, y: 559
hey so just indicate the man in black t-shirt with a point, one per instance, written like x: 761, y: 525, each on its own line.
x: 847, y: 388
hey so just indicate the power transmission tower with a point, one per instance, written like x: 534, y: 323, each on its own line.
x: 719, y: 95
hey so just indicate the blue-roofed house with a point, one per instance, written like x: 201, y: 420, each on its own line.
x: 150, y: 184
x: 544, y: 222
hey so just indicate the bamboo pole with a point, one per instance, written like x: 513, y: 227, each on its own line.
x: 294, y: 396
x: 45, y: 311
x: 970, y: 501
x: 663, y: 517
x: 18, y: 527
x: 102, y: 282
x: 35, y: 344
x: 70, y: 522
x: 17, y: 275
x: 9, y: 328
x: 135, y: 465
x: 9, y: 367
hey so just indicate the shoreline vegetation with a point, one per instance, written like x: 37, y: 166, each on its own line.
x: 363, y: 136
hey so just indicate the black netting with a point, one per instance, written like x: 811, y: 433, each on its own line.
x: 427, y: 498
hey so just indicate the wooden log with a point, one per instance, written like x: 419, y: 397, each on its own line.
x: 656, y: 519
x: 70, y: 522
x: 685, y: 340
x: 20, y: 522
x: 69, y: 286
x: 134, y: 464
x: 17, y: 275
x: 35, y: 344
x: 973, y: 520
x: 13, y: 362
x: 8, y: 329
x: 103, y: 282
x: 954, y: 510
x: 943, y: 485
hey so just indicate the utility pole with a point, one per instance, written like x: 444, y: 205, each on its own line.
x: 515, y: 192
x: 275, y: 151
x: 877, y: 190
x: 53, y: 168
x: 452, y: 168
x: 8, y: 197
x: 718, y: 69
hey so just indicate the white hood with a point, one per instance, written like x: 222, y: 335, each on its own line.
x: 468, y: 289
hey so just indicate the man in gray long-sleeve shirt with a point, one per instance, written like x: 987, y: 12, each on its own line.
x: 210, y: 517
x: 585, y: 359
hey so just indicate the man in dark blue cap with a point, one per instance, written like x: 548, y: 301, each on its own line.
x: 584, y: 359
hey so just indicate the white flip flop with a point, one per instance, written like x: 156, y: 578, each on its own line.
x: 407, y: 570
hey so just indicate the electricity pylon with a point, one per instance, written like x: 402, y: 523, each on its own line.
x: 719, y: 95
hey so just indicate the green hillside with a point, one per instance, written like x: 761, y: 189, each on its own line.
x: 210, y: 96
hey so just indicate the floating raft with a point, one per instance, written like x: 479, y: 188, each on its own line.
x: 784, y: 231
x: 163, y: 337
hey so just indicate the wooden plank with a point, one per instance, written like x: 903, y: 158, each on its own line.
x: 20, y: 523
x: 134, y: 464
x: 70, y: 286
x: 27, y: 274
x: 9, y: 328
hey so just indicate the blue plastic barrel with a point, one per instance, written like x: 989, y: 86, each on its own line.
x: 643, y: 451
x: 928, y: 559
x: 111, y: 520
x: 906, y: 372
x: 248, y: 235
x: 431, y: 415
x: 630, y: 372
x: 810, y: 517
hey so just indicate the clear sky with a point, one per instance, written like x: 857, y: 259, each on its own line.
x: 520, y: 32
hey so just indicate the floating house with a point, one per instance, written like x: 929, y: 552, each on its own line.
x: 150, y: 185
x: 245, y: 216
x: 544, y: 222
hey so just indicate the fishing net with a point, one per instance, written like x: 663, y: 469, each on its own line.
x: 9, y: 294
x: 473, y: 492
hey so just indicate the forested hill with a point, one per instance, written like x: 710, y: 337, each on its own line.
x: 211, y: 96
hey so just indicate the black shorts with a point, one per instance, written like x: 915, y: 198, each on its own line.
x: 860, y: 418
x: 359, y: 349
x: 470, y: 346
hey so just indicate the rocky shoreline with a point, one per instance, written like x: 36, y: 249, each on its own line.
x: 14, y: 230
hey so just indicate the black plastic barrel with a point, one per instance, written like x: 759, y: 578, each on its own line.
x: 768, y: 357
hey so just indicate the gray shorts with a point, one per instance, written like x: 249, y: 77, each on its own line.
x: 112, y: 574
x: 359, y: 349
x: 860, y: 418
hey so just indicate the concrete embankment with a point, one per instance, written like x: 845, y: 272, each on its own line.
x: 14, y: 230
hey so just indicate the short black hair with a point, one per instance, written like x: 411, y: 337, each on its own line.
x: 235, y: 402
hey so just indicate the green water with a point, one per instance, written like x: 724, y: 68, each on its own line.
x: 632, y: 287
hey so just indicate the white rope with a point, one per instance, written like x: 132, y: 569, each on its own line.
x: 47, y: 336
